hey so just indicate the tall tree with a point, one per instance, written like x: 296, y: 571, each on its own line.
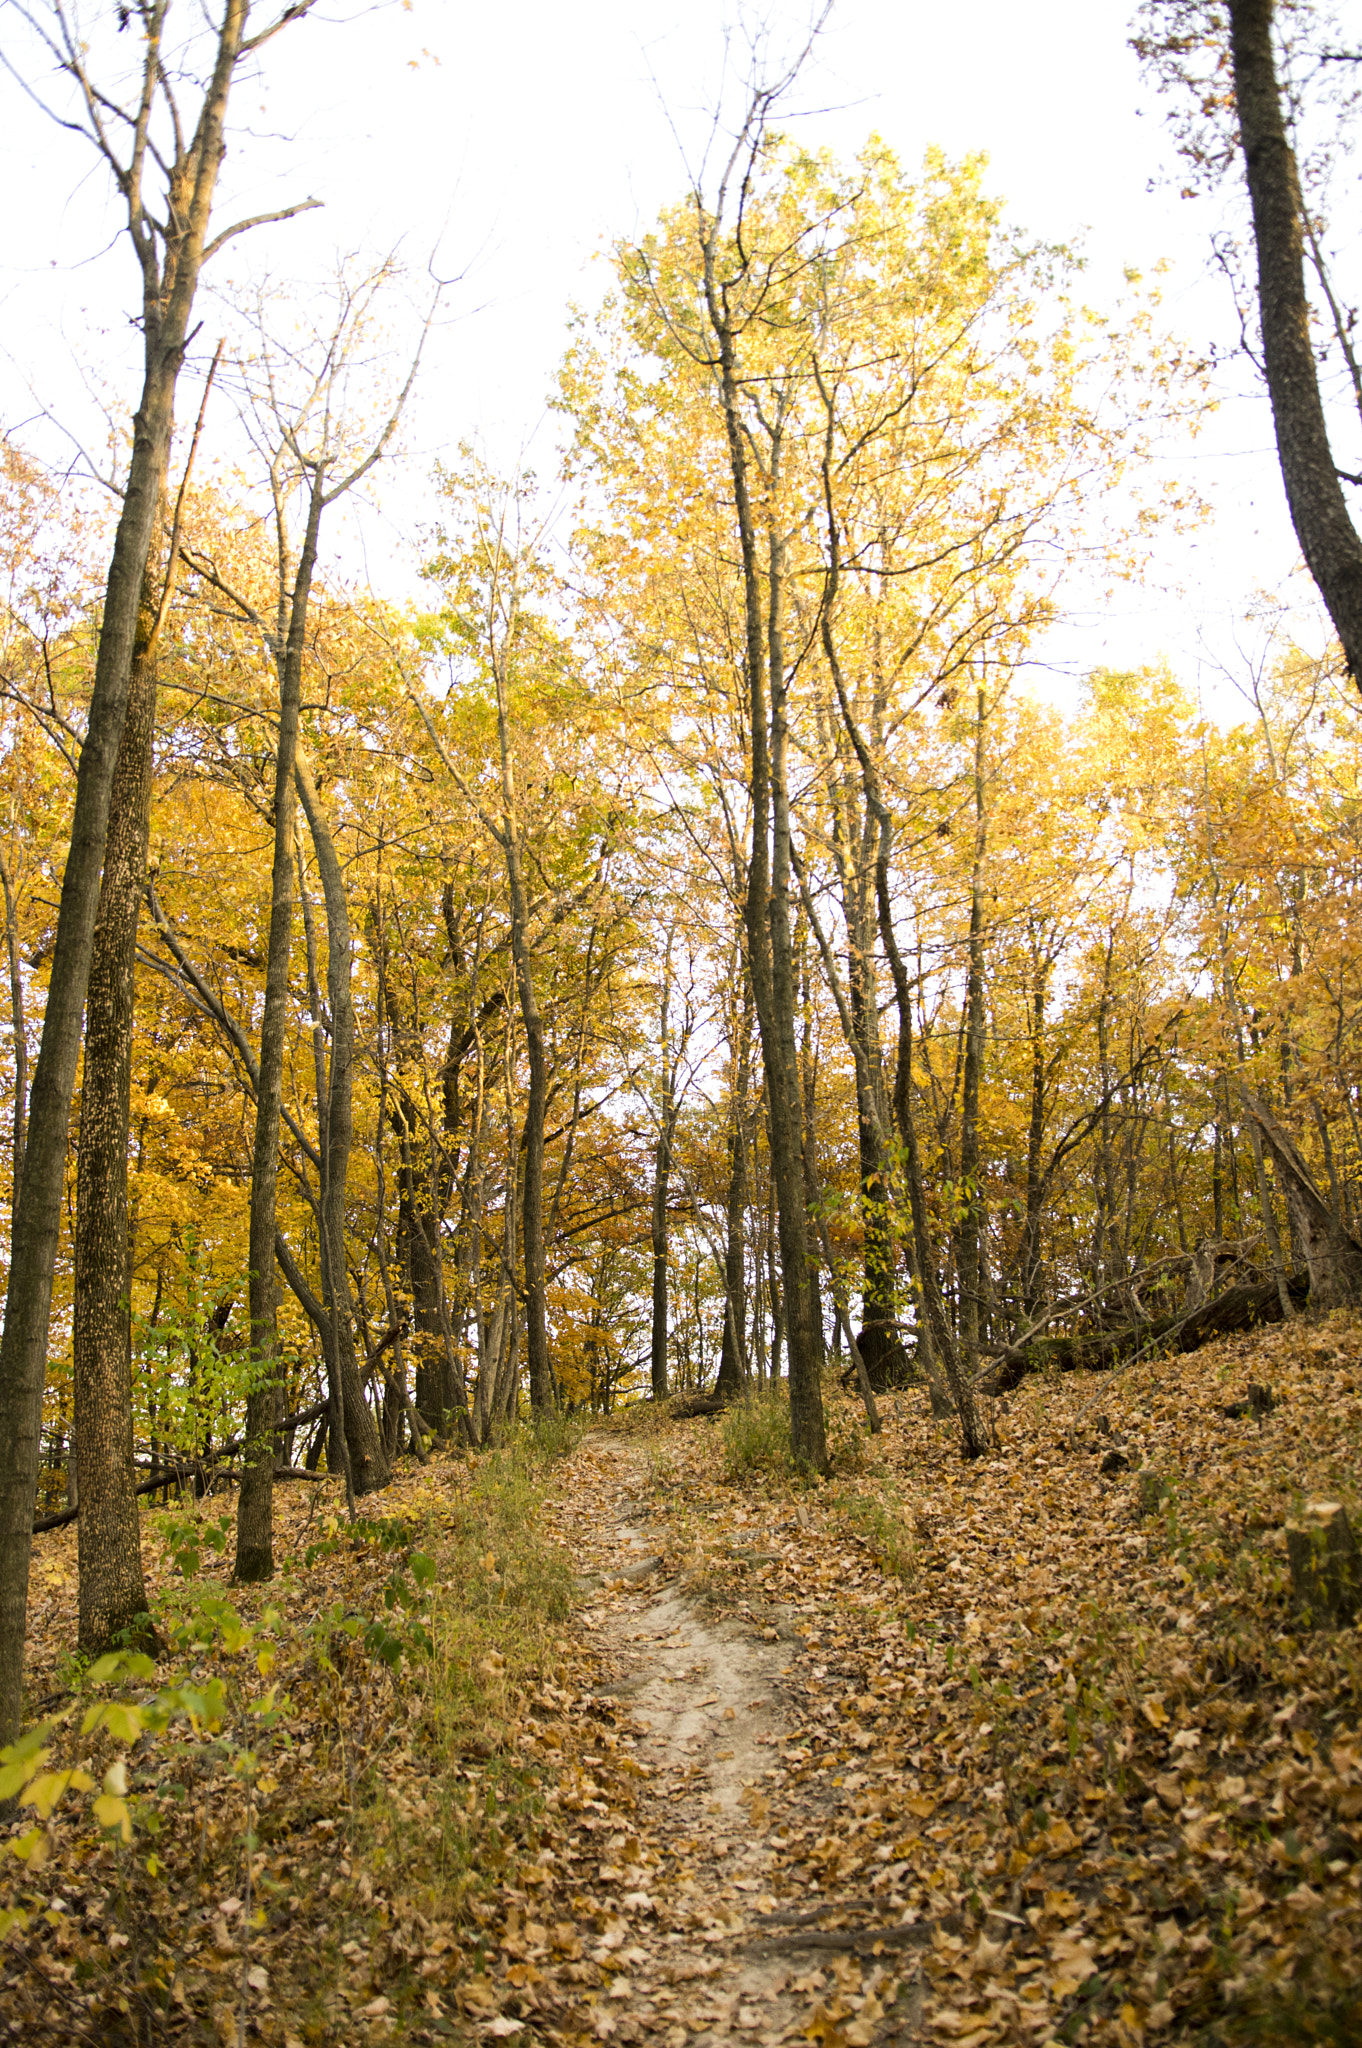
x: 303, y: 418
x: 111, y: 1587
x: 1187, y: 43
x: 742, y: 264
x: 1329, y: 541
x: 149, y: 131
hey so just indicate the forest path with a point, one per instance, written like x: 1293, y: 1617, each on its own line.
x: 709, y: 1945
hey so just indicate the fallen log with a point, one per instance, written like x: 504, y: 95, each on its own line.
x: 68, y: 1515
x: 1239, y: 1308
x: 681, y: 1408
x: 192, y: 1468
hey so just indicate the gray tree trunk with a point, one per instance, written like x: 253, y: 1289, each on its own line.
x: 1333, y: 1256
x: 364, y: 1446
x: 662, y: 1164
x: 168, y: 297
x: 1314, y: 494
x: 536, y: 1100
x: 20, y: 1031
x: 969, y: 1230
x: 112, y: 1589
x: 732, y: 1376
x: 766, y: 911
x: 255, y: 1507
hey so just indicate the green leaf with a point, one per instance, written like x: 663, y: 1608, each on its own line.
x: 112, y: 1815
x: 123, y: 1722
x: 43, y: 1792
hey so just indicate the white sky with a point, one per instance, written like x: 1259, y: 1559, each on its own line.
x: 525, y: 139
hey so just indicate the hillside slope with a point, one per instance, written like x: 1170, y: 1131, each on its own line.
x: 1013, y: 1752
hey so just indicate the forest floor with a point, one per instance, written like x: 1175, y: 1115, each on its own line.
x: 1014, y: 1752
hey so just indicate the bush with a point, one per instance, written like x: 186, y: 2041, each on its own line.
x: 554, y: 1435
x: 756, y: 1435
x: 505, y: 1590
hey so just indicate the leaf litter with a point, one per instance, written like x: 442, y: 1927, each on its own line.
x: 1016, y: 1752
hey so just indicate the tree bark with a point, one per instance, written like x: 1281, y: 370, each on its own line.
x: 969, y: 1228
x: 732, y: 1376
x: 661, y: 1179
x: 112, y: 1590
x: 798, y: 1263
x: 364, y: 1446
x: 255, y: 1507
x: 879, y: 1339
x: 945, y: 1351
x: 168, y: 297
x: 16, y: 1004
x: 1314, y: 494
x: 1031, y: 1261
x: 766, y: 911
x: 1332, y: 1255
x: 659, y: 1234
x: 536, y: 1100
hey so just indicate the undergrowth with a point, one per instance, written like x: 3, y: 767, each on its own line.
x: 877, y: 1518
x: 340, y: 1744
x: 756, y: 1438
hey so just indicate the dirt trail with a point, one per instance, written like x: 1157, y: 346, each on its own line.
x: 711, y: 1953
x: 988, y: 1753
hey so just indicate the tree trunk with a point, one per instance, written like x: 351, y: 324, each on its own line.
x: 536, y: 1101
x: 255, y: 1505
x: 774, y: 1290
x: 1031, y: 1261
x: 112, y: 1588
x: 168, y: 301
x: 945, y: 1352
x: 879, y: 1339
x: 1280, y: 1277
x: 368, y: 1464
x: 798, y: 1265
x: 808, y: 1130
x: 732, y: 1360
x: 661, y: 1178
x: 1332, y: 1255
x: 969, y: 1229
x: 766, y: 911
x: 941, y: 1347
x: 434, y: 1395
x: 19, y: 1028
x: 1319, y: 513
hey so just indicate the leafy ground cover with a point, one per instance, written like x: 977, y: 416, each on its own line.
x: 1033, y: 1750
x: 280, y: 1832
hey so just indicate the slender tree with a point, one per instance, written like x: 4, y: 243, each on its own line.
x: 1188, y: 44
x: 1329, y: 540
x: 170, y: 253
x: 112, y: 1591
x: 315, y: 453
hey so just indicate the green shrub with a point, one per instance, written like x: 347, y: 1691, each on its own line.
x: 756, y: 1433
x: 504, y: 1590
x: 553, y: 1436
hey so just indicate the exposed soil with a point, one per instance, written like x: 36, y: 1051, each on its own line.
x: 716, y: 1952
x: 1033, y: 1749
